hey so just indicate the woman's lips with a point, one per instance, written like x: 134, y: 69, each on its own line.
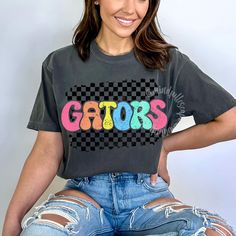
x: 125, y: 22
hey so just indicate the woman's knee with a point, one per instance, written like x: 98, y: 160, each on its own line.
x: 60, y: 213
x: 199, y: 220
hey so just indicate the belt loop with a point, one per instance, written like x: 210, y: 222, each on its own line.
x: 86, y: 179
x: 139, y: 178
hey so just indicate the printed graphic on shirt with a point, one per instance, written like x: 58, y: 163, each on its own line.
x: 110, y: 115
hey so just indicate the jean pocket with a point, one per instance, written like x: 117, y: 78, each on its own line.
x: 160, y: 185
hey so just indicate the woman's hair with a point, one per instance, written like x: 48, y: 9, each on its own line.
x: 150, y: 48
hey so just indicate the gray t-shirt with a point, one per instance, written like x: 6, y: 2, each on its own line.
x: 113, y: 112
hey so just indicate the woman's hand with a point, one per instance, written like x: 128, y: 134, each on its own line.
x: 12, y: 227
x: 162, y: 167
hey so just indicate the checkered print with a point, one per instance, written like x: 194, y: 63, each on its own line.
x: 126, y: 90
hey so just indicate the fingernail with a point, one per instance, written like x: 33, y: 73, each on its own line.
x: 153, y: 183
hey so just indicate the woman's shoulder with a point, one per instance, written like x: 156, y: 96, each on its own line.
x: 59, y: 55
x: 177, y: 59
x: 177, y: 55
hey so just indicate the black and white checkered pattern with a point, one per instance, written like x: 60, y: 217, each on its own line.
x: 126, y: 90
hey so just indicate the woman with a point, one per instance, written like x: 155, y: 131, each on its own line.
x: 104, y: 113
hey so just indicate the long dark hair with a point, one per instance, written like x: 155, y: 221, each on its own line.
x: 150, y: 47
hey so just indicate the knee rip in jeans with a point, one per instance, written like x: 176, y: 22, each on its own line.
x: 55, y: 214
x: 70, y: 193
x: 55, y: 217
x: 212, y: 224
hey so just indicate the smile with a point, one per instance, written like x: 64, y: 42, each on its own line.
x: 124, y: 22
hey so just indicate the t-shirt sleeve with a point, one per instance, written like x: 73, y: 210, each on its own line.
x: 203, y: 97
x: 44, y: 113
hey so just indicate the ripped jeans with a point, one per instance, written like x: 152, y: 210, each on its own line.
x: 127, y: 207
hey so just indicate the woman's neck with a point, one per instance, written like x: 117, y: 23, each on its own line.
x: 114, y: 46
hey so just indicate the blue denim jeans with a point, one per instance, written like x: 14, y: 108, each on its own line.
x: 124, y: 210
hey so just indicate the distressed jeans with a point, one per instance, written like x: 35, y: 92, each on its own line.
x: 125, y: 209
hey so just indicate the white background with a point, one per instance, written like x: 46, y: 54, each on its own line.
x: 203, y: 29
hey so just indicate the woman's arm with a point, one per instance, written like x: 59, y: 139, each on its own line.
x: 222, y: 128
x: 39, y: 170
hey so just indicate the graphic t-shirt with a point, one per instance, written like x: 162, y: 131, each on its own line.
x: 113, y: 112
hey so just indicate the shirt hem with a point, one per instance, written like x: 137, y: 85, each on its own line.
x: 216, y: 114
x: 42, y: 126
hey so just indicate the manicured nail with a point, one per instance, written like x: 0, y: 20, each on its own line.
x: 153, y: 183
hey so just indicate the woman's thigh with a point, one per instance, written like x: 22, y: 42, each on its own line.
x: 68, y: 212
x: 167, y: 216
